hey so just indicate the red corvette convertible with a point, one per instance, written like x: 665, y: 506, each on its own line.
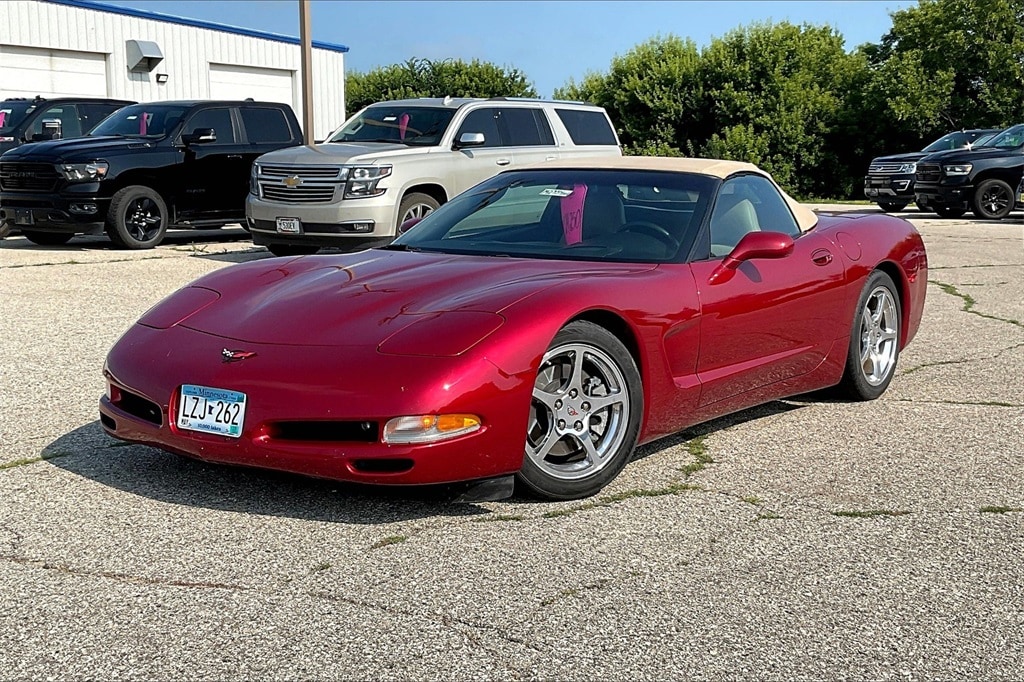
x: 539, y: 326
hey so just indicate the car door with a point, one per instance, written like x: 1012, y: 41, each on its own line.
x: 214, y: 175
x: 527, y: 131
x: 773, y: 319
x: 471, y: 165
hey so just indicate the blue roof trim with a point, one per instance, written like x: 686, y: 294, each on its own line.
x: 197, y: 23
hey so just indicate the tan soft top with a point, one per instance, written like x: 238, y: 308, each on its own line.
x: 719, y: 168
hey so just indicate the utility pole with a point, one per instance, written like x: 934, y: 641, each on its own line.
x: 306, y: 40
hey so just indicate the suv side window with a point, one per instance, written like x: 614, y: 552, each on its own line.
x: 219, y: 119
x: 265, y: 124
x: 482, y: 121
x: 92, y: 114
x: 67, y: 114
x: 587, y: 127
x: 526, y: 127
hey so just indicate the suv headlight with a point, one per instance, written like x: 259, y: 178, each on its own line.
x: 958, y: 169
x: 362, y: 181
x: 907, y: 168
x: 84, y: 172
x: 254, y: 185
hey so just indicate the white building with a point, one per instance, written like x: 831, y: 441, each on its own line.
x: 58, y: 48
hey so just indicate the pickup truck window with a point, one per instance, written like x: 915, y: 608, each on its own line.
x: 92, y: 114
x: 266, y: 124
x: 219, y: 119
x: 67, y: 114
x: 142, y: 120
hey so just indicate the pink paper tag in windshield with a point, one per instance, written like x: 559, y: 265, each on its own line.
x: 572, y: 215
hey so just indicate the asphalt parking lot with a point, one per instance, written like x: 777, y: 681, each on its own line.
x: 801, y: 539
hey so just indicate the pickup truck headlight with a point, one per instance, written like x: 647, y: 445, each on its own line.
x: 84, y: 172
x: 362, y: 181
x: 958, y: 169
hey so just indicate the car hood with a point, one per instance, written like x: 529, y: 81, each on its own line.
x: 899, y: 158
x: 75, y: 149
x: 970, y: 155
x: 362, y: 298
x: 338, y: 152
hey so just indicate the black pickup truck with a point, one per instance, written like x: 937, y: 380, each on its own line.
x: 143, y: 169
x: 982, y: 178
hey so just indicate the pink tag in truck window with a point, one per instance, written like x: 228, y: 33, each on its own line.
x: 572, y: 215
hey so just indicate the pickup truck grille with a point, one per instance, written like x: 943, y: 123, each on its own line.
x: 28, y: 177
x: 304, y: 172
x: 928, y: 172
x: 302, y: 194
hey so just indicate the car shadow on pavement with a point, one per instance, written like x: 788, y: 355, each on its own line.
x: 142, y: 470
x: 100, y: 242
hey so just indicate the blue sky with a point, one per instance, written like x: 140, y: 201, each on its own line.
x: 549, y: 41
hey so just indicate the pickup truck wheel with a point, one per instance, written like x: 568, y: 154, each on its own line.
x: 292, y: 249
x: 137, y: 218
x: 892, y: 206
x: 416, y: 205
x: 948, y: 212
x: 993, y: 200
x: 47, y: 238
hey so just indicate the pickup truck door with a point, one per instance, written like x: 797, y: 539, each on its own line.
x: 214, y: 176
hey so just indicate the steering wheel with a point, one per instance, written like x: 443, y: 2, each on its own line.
x: 652, y: 230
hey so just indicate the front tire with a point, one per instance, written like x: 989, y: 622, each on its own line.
x: 292, y: 249
x: 47, y: 238
x: 874, y: 340
x: 993, y: 200
x: 584, y: 416
x: 416, y: 205
x: 948, y: 211
x: 137, y: 218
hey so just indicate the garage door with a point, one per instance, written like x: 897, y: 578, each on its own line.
x: 242, y: 82
x: 30, y: 71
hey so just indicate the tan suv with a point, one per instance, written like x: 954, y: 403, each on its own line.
x: 402, y: 159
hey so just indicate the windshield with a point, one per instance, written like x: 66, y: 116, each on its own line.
x: 571, y: 214
x: 142, y: 120
x: 13, y: 112
x: 1011, y: 138
x: 957, y: 140
x: 983, y: 140
x: 414, y: 126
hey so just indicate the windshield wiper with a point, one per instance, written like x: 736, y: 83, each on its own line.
x: 401, y: 247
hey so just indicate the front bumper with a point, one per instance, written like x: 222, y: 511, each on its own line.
x: 65, y: 212
x: 319, y: 387
x: 337, y: 223
x: 883, y: 187
x: 933, y: 195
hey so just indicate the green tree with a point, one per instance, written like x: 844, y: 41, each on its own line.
x: 435, y: 78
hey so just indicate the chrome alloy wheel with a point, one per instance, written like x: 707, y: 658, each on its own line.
x: 142, y: 219
x: 416, y: 211
x: 579, y: 415
x: 879, y: 336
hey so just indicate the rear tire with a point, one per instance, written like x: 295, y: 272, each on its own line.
x: 892, y: 206
x: 47, y: 238
x: 948, y: 211
x: 584, y: 415
x: 137, y: 218
x: 993, y: 199
x: 874, y: 340
x: 292, y: 249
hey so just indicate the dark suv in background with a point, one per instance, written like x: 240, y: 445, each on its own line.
x: 983, y: 178
x: 146, y: 167
x: 890, y: 179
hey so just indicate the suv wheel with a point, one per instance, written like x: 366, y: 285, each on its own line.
x: 948, y: 211
x: 137, y: 218
x: 416, y: 205
x: 993, y: 200
x: 47, y: 238
x: 892, y: 206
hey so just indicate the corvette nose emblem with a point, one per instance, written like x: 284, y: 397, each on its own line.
x: 236, y: 355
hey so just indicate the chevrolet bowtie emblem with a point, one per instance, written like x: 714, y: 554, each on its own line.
x: 292, y: 181
x: 229, y: 355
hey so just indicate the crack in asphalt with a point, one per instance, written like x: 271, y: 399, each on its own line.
x: 969, y: 302
x: 939, y: 363
x: 80, y: 262
x: 983, y: 403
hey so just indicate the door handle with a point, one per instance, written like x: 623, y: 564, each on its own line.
x: 234, y: 156
x: 503, y: 162
x: 550, y: 158
x: 821, y: 257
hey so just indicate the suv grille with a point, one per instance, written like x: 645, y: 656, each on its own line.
x: 28, y: 177
x: 303, y: 194
x: 310, y: 172
x: 884, y: 168
x: 928, y: 172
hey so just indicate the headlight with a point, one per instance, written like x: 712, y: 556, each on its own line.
x: 958, y: 169
x: 84, y: 172
x: 362, y: 181
x: 908, y: 168
x: 429, y: 428
x: 254, y: 185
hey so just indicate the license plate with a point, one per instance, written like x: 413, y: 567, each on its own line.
x: 22, y: 217
x: 871, y: 192
x: 289, y: 226
x: 211, y: 410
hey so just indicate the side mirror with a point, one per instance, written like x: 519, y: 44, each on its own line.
x: 470, y: 140
x: 200, y: 136
x: 52, y: 130
x: 753, y: 245
x: 408, y: 224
